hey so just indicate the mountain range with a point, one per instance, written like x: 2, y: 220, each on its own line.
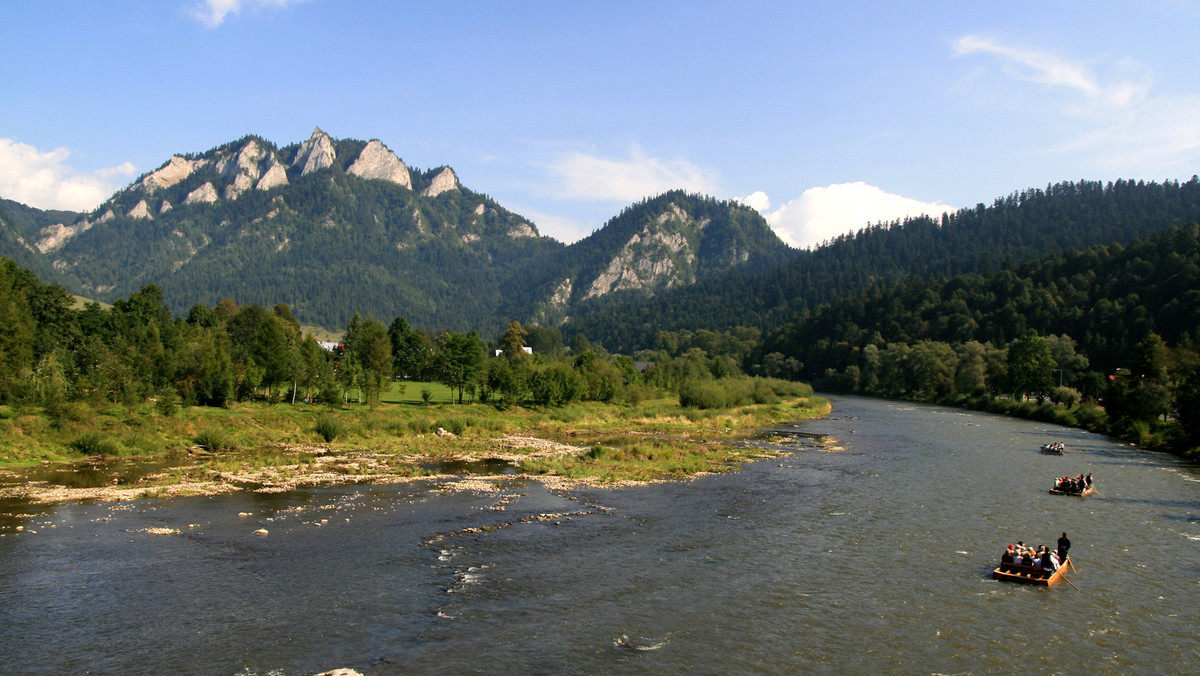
x: 334, y: 226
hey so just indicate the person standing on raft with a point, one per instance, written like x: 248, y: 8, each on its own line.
x: 1063, y: 545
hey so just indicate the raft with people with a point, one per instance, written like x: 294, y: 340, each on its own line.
x: 1037, y: 566
x: 1036, y: 575
x: 1054, y: 448
x: 1079, y: 486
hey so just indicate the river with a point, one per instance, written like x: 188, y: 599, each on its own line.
x: 874, y: 558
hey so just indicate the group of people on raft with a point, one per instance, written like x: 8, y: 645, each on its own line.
x: 1040, y: 557
x: 1054, y: 447
x: 1073, y: 484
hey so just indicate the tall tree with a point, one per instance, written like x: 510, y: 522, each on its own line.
x: 1030, y: 366
x: 459, y: 359
x: 1141, y: 392
x: 374, y: 350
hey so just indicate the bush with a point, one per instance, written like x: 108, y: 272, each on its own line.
x: 213, y: 440
x: 421, y: 426
x: 328, y: 428
x: 92, y: 443
x: 1065, y: 396
x: 455, y: 425
x: 167, y: 403
x: 600, y: 452
x: 426, y: 395
x: 701, y: 394
x: 1090, y: 417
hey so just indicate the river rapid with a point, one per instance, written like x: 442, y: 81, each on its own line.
x: 875, y: 557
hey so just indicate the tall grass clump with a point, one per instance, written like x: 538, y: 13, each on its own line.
x: 213, y: 440
x: 93, y: 443
x: 454, y: 425
x: 329, y: 428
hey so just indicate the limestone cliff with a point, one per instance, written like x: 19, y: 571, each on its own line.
x: 242, y: 169
x: 661, y: 256
x: 175, y: 170
x: 652, y: 260
x: 377, y: 162
x: 444, y: 181
x: 205, y: 193
x: 139, y: 211
x: 316, y: 153
x: 275, y: 175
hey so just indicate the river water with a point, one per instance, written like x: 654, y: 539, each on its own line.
x: 875, y: 558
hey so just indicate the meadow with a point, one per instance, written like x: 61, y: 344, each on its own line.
x: 283, y: 445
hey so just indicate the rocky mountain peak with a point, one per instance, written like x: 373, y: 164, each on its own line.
x: 175, y: 170
x: 444, y: 181
x: 377, y: 162
x: 242, y: 168
x: 316, y: 153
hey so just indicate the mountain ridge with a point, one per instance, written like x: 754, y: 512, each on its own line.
x: 331, y: 226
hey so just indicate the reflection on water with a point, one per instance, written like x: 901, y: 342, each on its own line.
x: 91, y: 473
x: 487, y: 466
x: 873, y: 559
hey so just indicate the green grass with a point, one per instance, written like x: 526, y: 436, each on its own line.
x: 655, y: 439
x: 412, y: 393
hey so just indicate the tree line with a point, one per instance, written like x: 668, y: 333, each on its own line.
x: 53, y: 354
x: 1025, y: 225
x: 1113, y: 328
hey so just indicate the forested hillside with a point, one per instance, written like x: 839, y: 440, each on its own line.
x: 1112, y: 324
x: 19, y: 225
x: 327, y: 226
x: 333, y: 226
x: 1024, y: 225
x: 669, y: 241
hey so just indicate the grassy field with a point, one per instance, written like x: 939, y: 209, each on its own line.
x: 264, y: 443
x: 404, y: 392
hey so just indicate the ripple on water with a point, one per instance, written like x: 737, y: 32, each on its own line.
x: 639, y: 643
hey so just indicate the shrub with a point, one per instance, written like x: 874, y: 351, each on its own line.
x: 1090, y: 417
x: 213, y: 440
x: 167, y: 403
x: 763, y: 393
x: 701, y: 394
x: 328, y: 427
x: 426, y: 395
x: 1066, y: 396
x: 455, y: 425
x: 600, y: 452
x: 92, y: 443
x: 421, y: 426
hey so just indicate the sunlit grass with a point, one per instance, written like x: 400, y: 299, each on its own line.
x: 654, y: 439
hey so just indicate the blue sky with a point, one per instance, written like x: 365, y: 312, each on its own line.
x: 824, y: 116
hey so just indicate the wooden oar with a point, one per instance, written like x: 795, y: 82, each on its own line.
x: 1072, y: 565
x: 1071, y: 583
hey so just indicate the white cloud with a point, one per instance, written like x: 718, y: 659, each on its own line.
x: 820, y: 214
x: 44, y: 180
x: 757, y: 200
x: 582, y: 176
x: 562, y: 228
x: 212, y: 13
x: 1113, y: 119
x: 1033, y: 65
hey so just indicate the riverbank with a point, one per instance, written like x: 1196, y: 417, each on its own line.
x: 120, y: 453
